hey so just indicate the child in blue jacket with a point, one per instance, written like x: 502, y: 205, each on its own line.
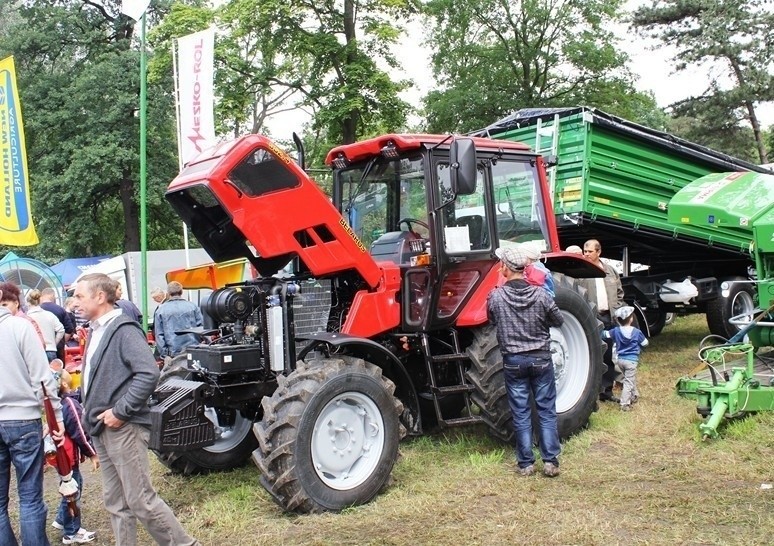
x: 628, y: 341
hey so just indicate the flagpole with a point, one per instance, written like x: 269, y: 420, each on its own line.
x: 179, y: 142
x: 143, y: 175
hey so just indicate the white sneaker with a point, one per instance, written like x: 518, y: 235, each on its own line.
x: 81, y: 537
x: 56, y: 525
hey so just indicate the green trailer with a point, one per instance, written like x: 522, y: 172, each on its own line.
x: 613, y: 181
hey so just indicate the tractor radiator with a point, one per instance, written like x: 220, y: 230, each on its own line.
x: 311, y: 309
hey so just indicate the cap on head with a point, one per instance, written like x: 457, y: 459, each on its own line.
x: 623, y: 313
x: 518, y: 256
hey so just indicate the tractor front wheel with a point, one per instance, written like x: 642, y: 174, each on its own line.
x: 329, y: 435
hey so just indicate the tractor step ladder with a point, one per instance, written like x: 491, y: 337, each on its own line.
x: 462, y: 387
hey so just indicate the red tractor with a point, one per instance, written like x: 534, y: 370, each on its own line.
x: 368, y: 319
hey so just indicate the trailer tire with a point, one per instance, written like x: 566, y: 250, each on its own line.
x: 318, y: 415
x: 742, y: 299
x: 231, y: 450
x: 656, y: 320
x: 578, y: 378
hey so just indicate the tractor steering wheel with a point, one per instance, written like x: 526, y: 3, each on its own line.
x: 409, y: 221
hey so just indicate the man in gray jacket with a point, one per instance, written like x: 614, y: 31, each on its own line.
x: 25, y: 367
x: 608, y: 294
x: 119, y: 375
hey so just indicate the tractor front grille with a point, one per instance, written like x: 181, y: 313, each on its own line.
x: 311, y: 309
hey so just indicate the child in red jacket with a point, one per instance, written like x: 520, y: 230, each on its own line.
x: 79, y: 447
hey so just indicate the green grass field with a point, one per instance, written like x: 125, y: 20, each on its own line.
x: 643, y: 477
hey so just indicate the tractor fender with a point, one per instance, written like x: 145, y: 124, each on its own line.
x: 373, y: 352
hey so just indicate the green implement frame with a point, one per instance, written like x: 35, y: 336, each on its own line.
x: 730, y: 392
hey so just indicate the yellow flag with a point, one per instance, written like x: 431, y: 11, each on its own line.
x: 16, y: 227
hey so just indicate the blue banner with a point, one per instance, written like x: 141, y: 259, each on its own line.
x: 16, y: 227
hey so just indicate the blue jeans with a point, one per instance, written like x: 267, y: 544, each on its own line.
x: 21, y: 444
x: 71, y: 524
x: 525, y: 375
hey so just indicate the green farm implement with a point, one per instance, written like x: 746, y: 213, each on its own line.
x: 738, y: 376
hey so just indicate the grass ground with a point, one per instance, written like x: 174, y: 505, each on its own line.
x: 643, y: 477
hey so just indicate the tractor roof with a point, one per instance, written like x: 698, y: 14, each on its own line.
x: 404, y: 142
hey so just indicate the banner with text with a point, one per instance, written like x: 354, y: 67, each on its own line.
x: 16, y: 228
x: 196, y: 98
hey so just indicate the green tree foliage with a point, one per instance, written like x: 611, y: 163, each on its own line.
x: 78, y: 76
x: 727, y: 135
x: 330, y: 59
x: 734, y: 36
x: 348, y: 50
x: 491, y: 57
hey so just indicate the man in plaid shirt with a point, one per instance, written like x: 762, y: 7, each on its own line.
x: 523, y: 315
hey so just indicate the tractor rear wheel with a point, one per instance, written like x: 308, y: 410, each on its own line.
x: 234, y: 440
x: 577, y: 351
x: 329, y: 435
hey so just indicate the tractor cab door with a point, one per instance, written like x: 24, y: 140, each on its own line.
x: 461, y: 246
x: 506, y: 207
x: 464, y: 243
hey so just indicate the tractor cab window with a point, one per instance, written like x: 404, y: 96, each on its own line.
x: 262, y: 172
x: 385, y: 203
x: 465, y: 225
x: 518, y: 203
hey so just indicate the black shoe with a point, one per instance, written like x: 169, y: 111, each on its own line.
x: 607, y: 397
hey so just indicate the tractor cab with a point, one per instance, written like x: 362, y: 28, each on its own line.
x: 438, y: 207
x: 411, y: 230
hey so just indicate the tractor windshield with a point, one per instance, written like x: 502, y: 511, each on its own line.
x: 385, y: 196
x: 384, y: 200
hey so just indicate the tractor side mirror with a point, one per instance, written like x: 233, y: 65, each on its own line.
x: 462, y: 160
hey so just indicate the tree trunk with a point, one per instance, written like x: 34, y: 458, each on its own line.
x: 131, y: 215
x: 349, y: 123
x: 751, y: 115
x: 756, y: 127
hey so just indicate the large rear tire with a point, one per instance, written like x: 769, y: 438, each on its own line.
x: 329, y: 435
x: 577, y: 351
x: 741, y: 299
x: 234, y: 440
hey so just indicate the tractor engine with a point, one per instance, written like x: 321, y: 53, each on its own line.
x: 256, y: 323
x: 260, y: 329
